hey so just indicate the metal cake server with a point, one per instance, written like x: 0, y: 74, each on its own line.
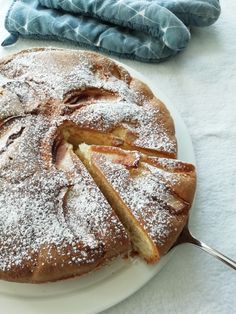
x: 187, y: 237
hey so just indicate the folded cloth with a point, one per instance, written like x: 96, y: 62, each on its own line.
x: 141, y: 30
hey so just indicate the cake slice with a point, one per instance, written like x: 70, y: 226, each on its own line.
x: 151, y: 195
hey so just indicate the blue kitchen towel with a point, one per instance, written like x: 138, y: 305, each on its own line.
x: 141, y: 30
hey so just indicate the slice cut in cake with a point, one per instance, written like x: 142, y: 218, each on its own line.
x: 151, y: 195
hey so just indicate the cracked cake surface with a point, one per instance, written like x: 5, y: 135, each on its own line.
x: 55, y: 222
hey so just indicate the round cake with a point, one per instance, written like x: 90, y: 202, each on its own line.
x: 88, y: 168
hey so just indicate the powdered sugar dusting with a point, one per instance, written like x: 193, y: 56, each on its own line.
x: 35, y: 78
x: 146, y: 192
x: 52, y: 75
x: 44, y: 211
x: 142, y: 122
x: 33, y: 217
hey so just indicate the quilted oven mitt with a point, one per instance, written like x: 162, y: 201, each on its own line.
x: 148, y: 31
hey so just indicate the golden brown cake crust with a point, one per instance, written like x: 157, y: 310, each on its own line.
x: 54, y: 221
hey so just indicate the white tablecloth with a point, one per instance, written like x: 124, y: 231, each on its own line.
x: 201, y: 82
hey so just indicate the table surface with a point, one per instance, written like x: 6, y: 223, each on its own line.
x: 201, y: 83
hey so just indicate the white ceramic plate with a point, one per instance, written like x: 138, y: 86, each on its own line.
x: 104, y: 288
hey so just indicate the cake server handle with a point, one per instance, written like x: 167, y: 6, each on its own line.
x: 187, y: 237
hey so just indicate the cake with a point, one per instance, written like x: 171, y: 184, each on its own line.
x: 80, y: 142
x: 152, y: 195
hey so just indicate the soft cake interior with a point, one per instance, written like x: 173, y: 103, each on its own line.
x: 140, y: 239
